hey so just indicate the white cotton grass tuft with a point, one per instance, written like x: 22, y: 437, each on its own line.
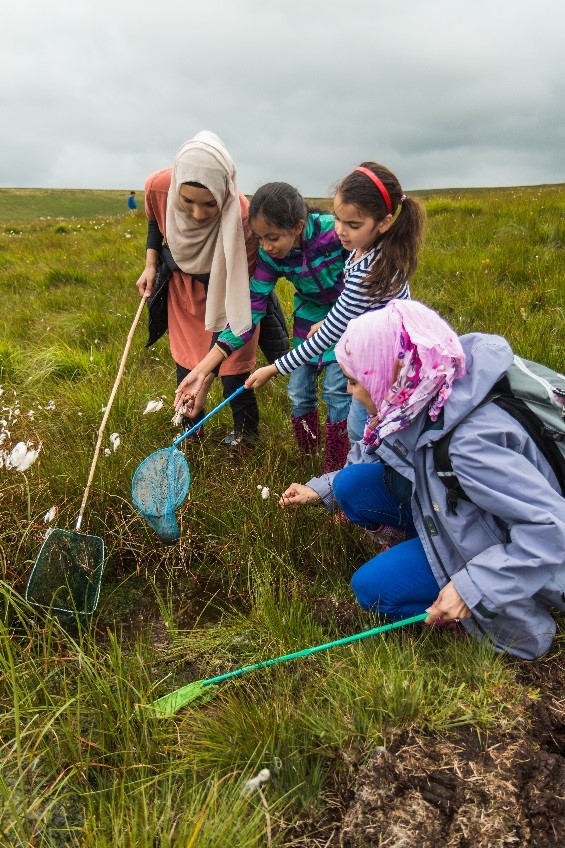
x: 21, y: 457
x: 265, y: 492
x: 177, y: 418
x: 107, y: 452
x: 50, y: 515
x: 115, y: 441
x: 153, y: 406
x: 255, y: 782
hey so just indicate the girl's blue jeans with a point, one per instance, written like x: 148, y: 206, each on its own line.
x: 399, y: 582
x: 302, y: 389
x: 356, y: 420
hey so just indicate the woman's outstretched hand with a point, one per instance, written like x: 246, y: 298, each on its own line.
x: 448, y: 606
x: 297, y: 494
x: 260, y: 377
x: 191, y: 393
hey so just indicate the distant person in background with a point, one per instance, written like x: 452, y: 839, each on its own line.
x: 132, y: 204
x: 200, y: 256
x: 382, y: 230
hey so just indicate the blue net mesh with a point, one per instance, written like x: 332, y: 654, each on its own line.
x: 159, y: 486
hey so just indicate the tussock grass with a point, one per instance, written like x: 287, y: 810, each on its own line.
x: 80, y: 763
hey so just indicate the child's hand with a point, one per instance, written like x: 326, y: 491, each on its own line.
x: 297, y: 494
x: 260, y: 377
x: 314, y: 329
x: 448, y: 606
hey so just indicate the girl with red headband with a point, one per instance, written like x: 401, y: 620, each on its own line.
x: 383, y: 230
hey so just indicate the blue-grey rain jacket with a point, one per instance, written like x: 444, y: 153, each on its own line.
x: 504, y: 550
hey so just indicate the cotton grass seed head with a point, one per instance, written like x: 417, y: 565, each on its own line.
x: 255, y: 782
x: 50, y: 515
x: 153, y: 406
x: 21, y: 457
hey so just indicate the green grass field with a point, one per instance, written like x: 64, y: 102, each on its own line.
x: 80, y: 762
x: 29, y: 204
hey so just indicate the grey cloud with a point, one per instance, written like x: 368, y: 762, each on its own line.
x: 102, y: 93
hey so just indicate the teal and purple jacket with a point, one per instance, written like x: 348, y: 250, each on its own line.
x: 315, y: 269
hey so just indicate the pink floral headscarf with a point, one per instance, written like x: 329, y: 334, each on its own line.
x: 404, y: 335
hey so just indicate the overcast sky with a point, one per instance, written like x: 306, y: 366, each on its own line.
x: 446, y: 93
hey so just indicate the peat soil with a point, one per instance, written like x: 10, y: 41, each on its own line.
x: 459, y: 789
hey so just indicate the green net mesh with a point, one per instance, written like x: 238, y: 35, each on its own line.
x: 67, y: 573
x: 159, y: 486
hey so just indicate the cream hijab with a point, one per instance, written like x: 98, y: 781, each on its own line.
x: 218, y: 248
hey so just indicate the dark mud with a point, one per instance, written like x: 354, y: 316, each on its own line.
x: 458, y: 790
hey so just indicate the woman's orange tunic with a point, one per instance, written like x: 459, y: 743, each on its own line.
x: 188, y: 339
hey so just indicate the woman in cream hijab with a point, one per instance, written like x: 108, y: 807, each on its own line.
x: 200, y: 256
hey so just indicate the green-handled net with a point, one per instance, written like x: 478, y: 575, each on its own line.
x: 169, y: 704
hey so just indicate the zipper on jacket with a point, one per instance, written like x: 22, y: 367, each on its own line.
x: 431, y: 531
x: 428, y: 520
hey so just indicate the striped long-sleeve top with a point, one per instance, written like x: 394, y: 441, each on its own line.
x: 353, y: 301
x: 315, y: 268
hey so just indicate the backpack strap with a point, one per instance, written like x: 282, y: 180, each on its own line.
x: 445, y: 472
x: 501, y: 394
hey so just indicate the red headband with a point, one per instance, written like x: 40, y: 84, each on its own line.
x: 379, y: 184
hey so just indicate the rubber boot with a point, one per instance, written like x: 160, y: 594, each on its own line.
x: 337, y: 445
x: 306, y: 431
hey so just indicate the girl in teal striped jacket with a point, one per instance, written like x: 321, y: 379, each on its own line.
x: 301, y: 246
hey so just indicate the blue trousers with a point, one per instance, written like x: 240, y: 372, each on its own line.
x: 399, y: 582
x: 302, y: 389
x: 356, y: 420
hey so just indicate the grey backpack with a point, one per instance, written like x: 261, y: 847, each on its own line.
x: 535, y: 396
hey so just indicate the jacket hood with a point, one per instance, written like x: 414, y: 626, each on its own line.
x: 488, y: 357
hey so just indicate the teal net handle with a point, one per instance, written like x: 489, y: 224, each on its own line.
x: 192, y: 430
x: 307, y: 651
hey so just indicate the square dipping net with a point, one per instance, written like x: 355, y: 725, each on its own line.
x: 67, y: 573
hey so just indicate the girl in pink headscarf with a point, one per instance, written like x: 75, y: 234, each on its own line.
x: 401, y: 363
x: 496, y: 556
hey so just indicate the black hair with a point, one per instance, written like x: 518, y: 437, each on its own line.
x: 280, y: 204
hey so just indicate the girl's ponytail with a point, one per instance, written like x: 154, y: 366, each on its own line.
x: 401, y: 243
x: 400, y: 246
